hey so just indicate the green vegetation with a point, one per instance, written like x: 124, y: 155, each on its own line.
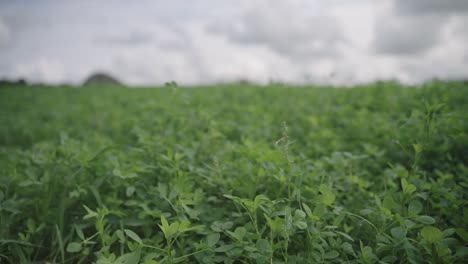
x: 234, y: 174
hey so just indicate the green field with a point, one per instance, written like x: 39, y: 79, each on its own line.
x: 234, y: 174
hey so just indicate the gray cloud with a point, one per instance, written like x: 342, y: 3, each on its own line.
x: 155, y: 41
x: 42, y: 70
x: 460, y: 30
x: 22, y: 22
x: 292, y: 30
x: 411, y: 7
x: 131, y: 39
x: 5, y: 69
x: 5, y: 35
x: 414, y: 27
x: 407, y: 35
x: 447, y: 66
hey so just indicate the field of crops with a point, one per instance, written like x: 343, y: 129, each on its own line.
x: 234, y: 174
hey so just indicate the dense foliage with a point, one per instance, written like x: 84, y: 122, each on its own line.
x: 234, y: 174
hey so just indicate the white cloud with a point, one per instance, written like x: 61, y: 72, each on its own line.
x: 426, y: 39
x: 131, y: 39
x: 407, y: 35
x: 415, y: 27
x: 197, y: 57
x: 42, y: 70
x: 294, y: 29
x: 336, y: 41
x: 447, y: 60
x: 460, y: 30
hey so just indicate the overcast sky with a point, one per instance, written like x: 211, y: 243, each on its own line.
x: 204, y: 41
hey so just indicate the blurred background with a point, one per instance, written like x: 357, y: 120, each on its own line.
x: 210, y: 41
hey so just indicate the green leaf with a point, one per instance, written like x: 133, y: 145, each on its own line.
x: 133, y: 236
x: 79, y: 232
x: 407, y: 187
x: 220, y: 227
x: 367, y: 253
x: 192, y: 228
x: 162, y: 188
x: 224, y: 248
x: 448, y: 232
x: 212, y: 239
x: 183, y: 226
x: 389, y: 259
x: 418, y: 148
x: 328, y: 234
x: 165, y: 224
x: 168, y: 230
x: 347, y: 247
x: 299, y: 214
x: 90, y: 213
x: 414, y: 208
x: 389, y: 203
x: 366, y: 211
x: 120, y: 235
x: 130, y: 190
x: 129, y: 258
x: 240, y: 232
x: 462, y: 252
x: 301, y: 224
x: 425, y: 219
x: 332, y: 254
x: 231, y: 197
x: 172, y: 230
x: 431, y: 234
x: 383, y: 239
x: 345, y: 235
x: 328, y: 197
x: 263, y: 245
x: 399, y: 233
x: 250, y: 248
x: 462, y: 233
x: 74, y: 247
x: 307, y: 210
x: 409, y: 224
x: 319, y: 211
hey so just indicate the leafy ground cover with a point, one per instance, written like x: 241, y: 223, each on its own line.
x: 234, y: 174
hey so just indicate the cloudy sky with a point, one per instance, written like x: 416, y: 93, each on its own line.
x: 205, y: 41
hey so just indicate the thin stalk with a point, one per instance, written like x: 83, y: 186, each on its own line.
x: 60, y: 241
x: 190, y: 254
x: 365, y: 220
